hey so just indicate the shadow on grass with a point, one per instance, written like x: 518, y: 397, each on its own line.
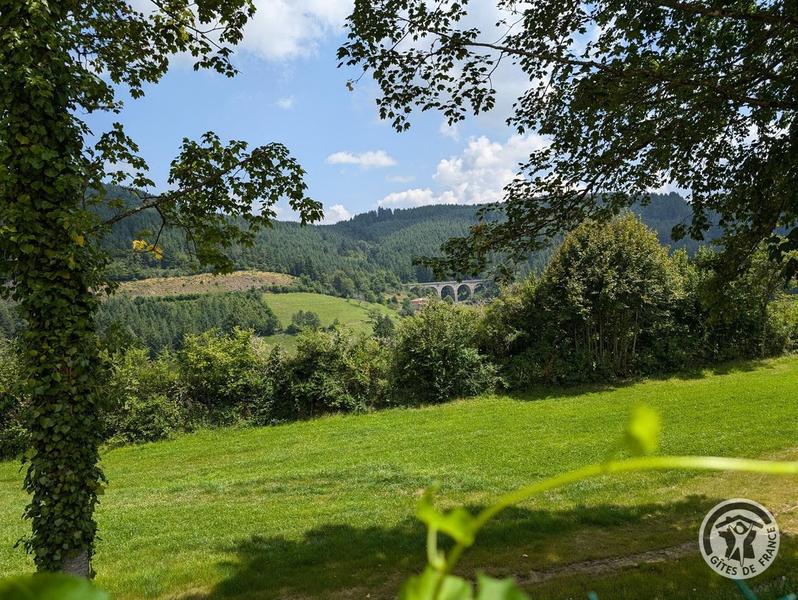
x: 686, y: 578
x: 341, y: 561
x: 542, y: 392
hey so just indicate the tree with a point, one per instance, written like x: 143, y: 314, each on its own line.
x: 302, y: 320
x: 630, y: 96
x: 435, y: 357
x: 382, y: 325
x: 605, y: 297
x: 59, y: 61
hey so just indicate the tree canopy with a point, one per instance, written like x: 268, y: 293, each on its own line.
x: 630, y: 96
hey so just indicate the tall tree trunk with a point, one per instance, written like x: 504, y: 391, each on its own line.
x: 53, y: 271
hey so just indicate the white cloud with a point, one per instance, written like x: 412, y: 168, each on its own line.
x: 366, y: 160
x: 286, y: 103
x: 450, y: 131
x: 286, y: 29
x: 416, y: 197
x: 477, y: 175
x: 335, y: 213
x: 400, y: 178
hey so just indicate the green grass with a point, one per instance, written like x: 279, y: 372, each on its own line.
x: 353, y: 314
x: 324, y: 509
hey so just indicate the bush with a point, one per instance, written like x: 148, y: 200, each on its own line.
x: 146, y: 419
x: 435, y: 356
x: 783, y: 325
x: 332, y: 371
x: 220, y: 376
x: 302, y: 320
x: 738, y: 318
x: 13, y: 439
x: 142, y: 398
x: 604, y: 298
x: 612, y: 303
x: 382, y: 325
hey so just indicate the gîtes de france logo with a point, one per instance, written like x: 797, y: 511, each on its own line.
x: 739, y: 538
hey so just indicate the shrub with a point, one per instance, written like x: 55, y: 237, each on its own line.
x: 13, y: 439
x: 268, y: 407
x: 302, y: 320
x: 220, y: 376
x: 146, y: 419
x: 604, y: 297
x: 142, y: 398
x: 382, y: 325
x: 332, y: 371
x: 736, y: 316
x: 435, y: 357
x: 783, y: 325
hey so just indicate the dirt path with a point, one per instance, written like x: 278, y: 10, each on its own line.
x: 608, y: 565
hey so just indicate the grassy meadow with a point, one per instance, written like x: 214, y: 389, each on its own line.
x: 353, y: 314
x: 325, y: 508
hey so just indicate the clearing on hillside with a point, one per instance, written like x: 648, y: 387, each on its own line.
x: 204, y: 283
x: 353, y: 314
x: 325, y: 509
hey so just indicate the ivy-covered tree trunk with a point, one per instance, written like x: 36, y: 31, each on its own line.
x: 53, y: 272
x: 52, y: 53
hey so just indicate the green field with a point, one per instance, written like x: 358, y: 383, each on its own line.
x: 324, y: 509
x: 353, y: 314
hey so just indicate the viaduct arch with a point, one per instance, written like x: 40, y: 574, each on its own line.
x: 455, y: 286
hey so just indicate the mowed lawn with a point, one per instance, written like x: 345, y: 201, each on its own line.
x: 353, y: 314
x: 324, y: 509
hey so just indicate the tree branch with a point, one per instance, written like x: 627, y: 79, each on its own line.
x: 620, y: 73
x: 149, y: 202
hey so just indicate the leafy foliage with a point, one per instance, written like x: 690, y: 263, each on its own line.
x: 49, y: 586
x: 304, y: 319
x: 13, y: 439
x: 628, y: 97
x: 220, y: 375
x: 612, y: 302
x: 435, y: 357
x: 51, y: 178
x: 605, y: 298
x: 332, y: 371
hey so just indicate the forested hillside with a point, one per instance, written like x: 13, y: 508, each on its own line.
x: 364, y: 257
x: 372, y: 252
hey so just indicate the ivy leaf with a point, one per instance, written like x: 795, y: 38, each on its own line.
x: 643, y: 431
x: 457, y: 524
x: 489, y: 588
x: 422, y: 587
x: 49, y: 586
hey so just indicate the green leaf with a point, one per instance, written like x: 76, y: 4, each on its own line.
x: 458, y: 524
x: 49, y: 586
x: 489, y: 588
x: 643, y: 431
x: 422, y: 587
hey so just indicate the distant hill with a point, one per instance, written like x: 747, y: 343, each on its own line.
x: 372, y: 252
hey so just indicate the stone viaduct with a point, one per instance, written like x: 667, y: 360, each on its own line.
x: 454, y: 286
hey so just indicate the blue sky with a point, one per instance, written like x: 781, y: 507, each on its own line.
x: 290, y: 91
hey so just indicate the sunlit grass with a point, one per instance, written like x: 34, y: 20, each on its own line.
x: 353, y: 314
x: 325, y: 508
